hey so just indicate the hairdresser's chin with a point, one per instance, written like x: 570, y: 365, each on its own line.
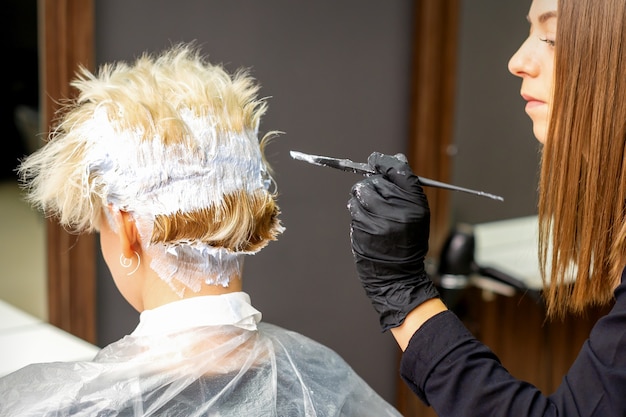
x: 540, y: 130
x: 540, y: 115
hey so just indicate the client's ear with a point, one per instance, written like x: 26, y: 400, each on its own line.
x: 129, y: 237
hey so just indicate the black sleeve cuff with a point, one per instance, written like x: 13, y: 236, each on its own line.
x: 428, y: 346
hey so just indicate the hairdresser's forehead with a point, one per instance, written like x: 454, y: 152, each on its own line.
x: 543, y: 12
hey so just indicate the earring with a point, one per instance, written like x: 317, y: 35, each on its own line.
x: 128, y: 262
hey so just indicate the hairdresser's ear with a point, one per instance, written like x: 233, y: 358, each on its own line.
x: 129, y: 237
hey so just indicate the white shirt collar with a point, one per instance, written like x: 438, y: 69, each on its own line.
x: 210, y: 310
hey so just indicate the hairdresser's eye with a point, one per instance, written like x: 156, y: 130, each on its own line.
x: 550, y: 42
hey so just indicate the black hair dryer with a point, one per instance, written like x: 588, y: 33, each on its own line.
x: 457, y: 265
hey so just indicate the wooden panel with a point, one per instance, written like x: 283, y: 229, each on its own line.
x: 65, y: 42
x: 432, y: 103
x: 431, y: 127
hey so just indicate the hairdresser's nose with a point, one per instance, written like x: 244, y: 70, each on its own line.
x: 523, y: 62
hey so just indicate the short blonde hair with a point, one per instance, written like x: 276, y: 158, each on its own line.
x: 165, y: 102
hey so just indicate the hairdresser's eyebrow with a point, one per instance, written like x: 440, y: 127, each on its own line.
x: 544, y: 17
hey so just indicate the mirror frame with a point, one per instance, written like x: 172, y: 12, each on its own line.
x: 66, y: 41
x: 433, y: 84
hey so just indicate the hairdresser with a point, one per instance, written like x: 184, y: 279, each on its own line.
x: 574, y: 79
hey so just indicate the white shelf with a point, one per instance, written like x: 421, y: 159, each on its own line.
x: 510, y: 246
x: 25, y: 339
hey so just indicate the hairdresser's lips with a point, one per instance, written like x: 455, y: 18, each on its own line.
x: 533, y: 104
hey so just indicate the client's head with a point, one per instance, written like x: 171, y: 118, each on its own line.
x: 171, y: 140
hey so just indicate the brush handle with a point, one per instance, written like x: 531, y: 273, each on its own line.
x: 437, y: 184
x: 365, y: 169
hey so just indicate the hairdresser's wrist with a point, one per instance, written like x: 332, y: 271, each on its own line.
x: 415, y: 319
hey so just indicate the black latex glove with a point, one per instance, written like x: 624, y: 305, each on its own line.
x: 389, y: 234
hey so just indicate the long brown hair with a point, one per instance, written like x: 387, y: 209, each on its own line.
x: 582, y: 226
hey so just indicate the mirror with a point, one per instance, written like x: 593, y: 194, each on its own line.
x: 22, y: 247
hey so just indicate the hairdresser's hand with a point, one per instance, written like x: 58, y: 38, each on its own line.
x: 389, y: 233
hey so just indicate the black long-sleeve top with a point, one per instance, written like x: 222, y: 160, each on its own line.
x: 458, y: 376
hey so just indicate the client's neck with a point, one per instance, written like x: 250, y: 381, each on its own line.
x: 157, y: 292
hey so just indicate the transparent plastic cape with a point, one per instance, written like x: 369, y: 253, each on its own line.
x: 209, y: 370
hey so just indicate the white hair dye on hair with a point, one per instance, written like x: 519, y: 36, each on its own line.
x: 172, y: 140
x: 148, y: 178
x: 190, y: 263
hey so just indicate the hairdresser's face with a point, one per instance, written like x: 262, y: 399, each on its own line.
x: 534, y: 64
